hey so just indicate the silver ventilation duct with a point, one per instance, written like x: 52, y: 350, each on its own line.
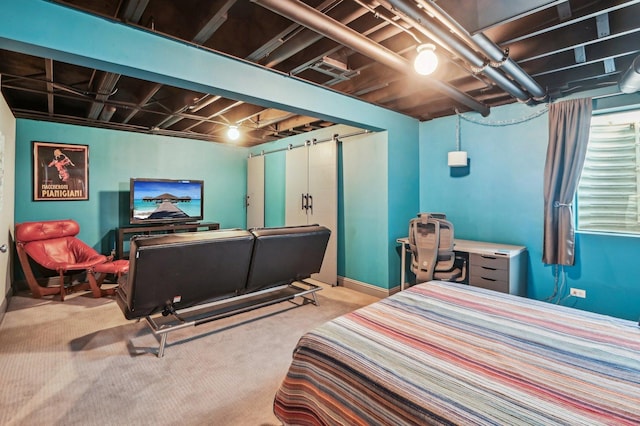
x: 321, y: 23
x: 630, y: 80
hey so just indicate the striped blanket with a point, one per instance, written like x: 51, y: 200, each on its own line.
x: 441, y: 353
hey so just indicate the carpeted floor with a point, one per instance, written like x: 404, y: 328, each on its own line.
x: 80, y: 362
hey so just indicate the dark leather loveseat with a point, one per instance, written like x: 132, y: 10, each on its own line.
x: 171, y: 273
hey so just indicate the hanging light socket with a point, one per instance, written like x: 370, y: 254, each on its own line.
x: 457, y: 159
x: 426, y: 60
x: 233, y: 133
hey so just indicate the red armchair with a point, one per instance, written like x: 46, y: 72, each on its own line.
x: 53, y: 245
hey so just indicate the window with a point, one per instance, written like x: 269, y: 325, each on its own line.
x: 608, y: 191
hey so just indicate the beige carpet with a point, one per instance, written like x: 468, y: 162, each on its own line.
x: 80, y: 362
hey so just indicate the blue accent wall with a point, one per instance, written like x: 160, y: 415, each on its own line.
x: 363, y: 208
x: 54, y: 31
x: 499, y: 198
x: 403, y: 186
x: 116, y: 156
x: 362, y: 200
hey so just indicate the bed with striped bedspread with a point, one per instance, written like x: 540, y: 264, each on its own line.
x: 441, y: 353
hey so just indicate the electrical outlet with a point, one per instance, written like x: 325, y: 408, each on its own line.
x: 578, y: 292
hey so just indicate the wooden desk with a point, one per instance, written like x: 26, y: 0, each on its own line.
x: 160, y: 229
x: 499, y: 267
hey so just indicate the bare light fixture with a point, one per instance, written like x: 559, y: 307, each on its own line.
x: 233, y: 133
x: 426, y: 61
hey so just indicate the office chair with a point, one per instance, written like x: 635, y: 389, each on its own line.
x: 431, y: 239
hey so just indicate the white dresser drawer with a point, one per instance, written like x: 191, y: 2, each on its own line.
x: 501, y: 286
x: 488, y: 273
x: 486, y: 261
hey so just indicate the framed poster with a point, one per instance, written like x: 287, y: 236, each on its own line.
x: 60, y: 172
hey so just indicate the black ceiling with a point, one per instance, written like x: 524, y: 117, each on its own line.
x: 491, y: 53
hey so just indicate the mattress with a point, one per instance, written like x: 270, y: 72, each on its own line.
x: 443, y: 353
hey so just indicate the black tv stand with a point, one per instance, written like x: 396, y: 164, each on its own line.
x: 165, y: 228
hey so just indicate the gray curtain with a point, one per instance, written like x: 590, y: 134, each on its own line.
x: 569, y: 123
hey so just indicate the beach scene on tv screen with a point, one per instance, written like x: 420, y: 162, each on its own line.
x: 157, y: 200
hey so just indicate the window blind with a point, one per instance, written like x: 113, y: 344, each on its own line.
x: 607, y: 196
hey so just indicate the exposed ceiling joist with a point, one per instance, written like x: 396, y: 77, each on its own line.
x: 361, y: 48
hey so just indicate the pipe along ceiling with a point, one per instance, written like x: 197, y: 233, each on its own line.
x: 493, y: 52
x: 490, y: 66
x: 328, y: 27
x: 441, y: 29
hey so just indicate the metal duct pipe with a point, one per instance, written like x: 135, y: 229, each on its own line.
x: 411, y: 10
x: 509, y: 66
x: 630, y: 80
x: 487, y: 47
x: 311, y: 18
x: 107, y: 113
x: 304, y: 40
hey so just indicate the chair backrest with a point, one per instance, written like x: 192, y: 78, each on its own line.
x: 431, y: 240
x: 46, y: 230
x: 424, y: 238
x: 446, y: 255
x: 53, y: 245
x: 433, y: 215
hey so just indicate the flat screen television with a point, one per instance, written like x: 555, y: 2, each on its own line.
x: 153, y: 201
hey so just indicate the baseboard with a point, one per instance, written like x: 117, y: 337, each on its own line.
x: 5, y: 304
x: 366, y: 288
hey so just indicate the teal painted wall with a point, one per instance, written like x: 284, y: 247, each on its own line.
x: 403, y: 187
x: 362, y: 200
x: 363, y: 209
x: 50, y: 30
x: 500, y: 198
x: 116, y: 156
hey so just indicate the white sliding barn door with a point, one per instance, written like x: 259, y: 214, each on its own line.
x: 312, y: 197
x: 323, y: 184
x: 323, y: 188
x: 296, y: 187
x: 255, y: 192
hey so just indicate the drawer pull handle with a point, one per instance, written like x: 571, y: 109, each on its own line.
x: 488, y: 279
x: 489, y: 269
x: 489, y: 257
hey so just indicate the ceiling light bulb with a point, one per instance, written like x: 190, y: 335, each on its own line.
x: 233, y: 133
x: 426, y: 61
